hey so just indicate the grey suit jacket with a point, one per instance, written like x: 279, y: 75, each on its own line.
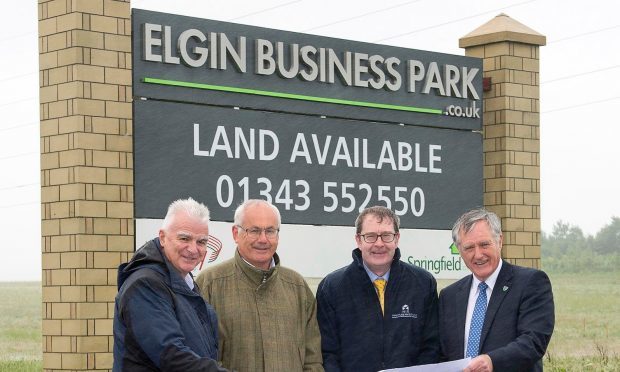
x: 518, y: 323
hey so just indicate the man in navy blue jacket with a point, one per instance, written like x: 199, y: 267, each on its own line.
x: 378, y: 312
x: 514, y: 326
x: 161, y: 323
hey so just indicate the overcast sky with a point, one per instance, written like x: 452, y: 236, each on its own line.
x: 580, y: 93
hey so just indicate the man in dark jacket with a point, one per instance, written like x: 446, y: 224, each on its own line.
x: 378, y: 312
x: 160, y: 321
x: 501, y: 315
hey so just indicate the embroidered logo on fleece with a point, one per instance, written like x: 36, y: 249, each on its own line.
x: 404, y: 313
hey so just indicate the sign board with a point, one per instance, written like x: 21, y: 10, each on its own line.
x: 317, y: 171
x: 320, y: 127
x: 211, y: 62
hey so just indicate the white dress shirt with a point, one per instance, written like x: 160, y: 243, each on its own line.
x: 473, y: 295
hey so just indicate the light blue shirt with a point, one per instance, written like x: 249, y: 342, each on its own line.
x: 189, y: 281
x: 374, y: 276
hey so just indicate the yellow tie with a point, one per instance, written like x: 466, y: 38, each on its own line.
x: 380, y: 285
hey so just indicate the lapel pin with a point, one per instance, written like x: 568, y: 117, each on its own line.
x: 505, y: 288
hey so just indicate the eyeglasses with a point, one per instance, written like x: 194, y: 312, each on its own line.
x: 372, y: 237
x: 255, y: 232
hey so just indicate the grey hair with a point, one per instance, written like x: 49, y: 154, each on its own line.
x: 240, y: 211
x: 381, y: 213
x: 190, y: 206
x: 466, y: 223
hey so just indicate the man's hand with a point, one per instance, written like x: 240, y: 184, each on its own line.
x: 481, y: 363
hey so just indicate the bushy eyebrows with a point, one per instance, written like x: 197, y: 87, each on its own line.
x: 187, y: 235
x: 482, y: 243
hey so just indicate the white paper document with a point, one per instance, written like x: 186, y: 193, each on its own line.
x: 453, y: 366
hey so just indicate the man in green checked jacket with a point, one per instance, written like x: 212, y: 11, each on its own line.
x: 266, y: 312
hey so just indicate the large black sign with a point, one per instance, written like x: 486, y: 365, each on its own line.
x: 316, y: 170
x: 188, y: 59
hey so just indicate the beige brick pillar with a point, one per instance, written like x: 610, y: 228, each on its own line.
x: 86, y: 175
x: 511, y: 122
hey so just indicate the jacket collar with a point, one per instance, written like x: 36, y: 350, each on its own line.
x: 501, y: 289
x: 255, y: 275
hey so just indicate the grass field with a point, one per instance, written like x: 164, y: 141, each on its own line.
x: 586, y: 336
x: 20, y: 326
x: 587, y: 314
x: 587, y: 322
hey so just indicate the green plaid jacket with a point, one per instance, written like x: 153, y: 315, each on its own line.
x: 267, y: 319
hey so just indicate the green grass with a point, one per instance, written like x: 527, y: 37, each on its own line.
x: 20, y: 365
x: 587, y: 314
x: 586, y: 336
x: 20, y: 323
x: 578, y: 364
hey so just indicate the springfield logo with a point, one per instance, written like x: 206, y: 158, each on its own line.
x: 404, y: 313
x: 450, y: 263
x: 464, y: 112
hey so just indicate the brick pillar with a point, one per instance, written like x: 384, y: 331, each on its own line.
x: 86, y: 175
x: 511, y: 122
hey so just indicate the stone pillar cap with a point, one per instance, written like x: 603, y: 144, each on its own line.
x: 499, y: 29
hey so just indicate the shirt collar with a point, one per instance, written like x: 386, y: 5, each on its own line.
x: 490, y: 281
x: 271, y: 265
x: 374, y: 276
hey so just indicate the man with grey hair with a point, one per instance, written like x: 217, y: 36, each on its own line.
x: 502, y: 316
x: 160, y: 320
x: 267, y: 313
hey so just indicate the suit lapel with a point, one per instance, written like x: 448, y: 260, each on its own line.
x: 462, y: 297
x: 501, y: 289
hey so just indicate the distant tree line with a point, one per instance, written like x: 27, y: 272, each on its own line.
x: 567, y: 249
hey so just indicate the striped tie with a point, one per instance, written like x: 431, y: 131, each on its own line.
x: 380, y: 285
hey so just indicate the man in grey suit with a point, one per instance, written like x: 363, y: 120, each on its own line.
x: 503, y: 315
